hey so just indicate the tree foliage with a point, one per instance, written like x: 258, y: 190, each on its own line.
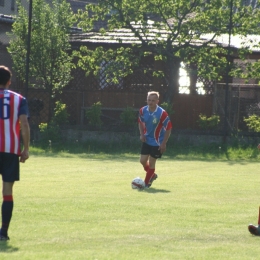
x: 50, y: 62
x: 253, y: 123
x: 171, y: 31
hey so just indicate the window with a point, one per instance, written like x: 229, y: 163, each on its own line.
x: 185, y: 76
x: 106, y: 75
x: 2, y: 2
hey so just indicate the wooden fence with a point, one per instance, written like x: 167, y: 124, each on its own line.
x: 186, y: 107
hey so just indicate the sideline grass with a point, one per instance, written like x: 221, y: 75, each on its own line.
x: 175, y: 150
x: 84, y: 208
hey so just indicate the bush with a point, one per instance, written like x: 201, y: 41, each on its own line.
x: 60, y: 114
x: 208, y: 123
x: 168, y: 108
x: 128, y: 117
x: 94, y: 114
x: 253, y: 123
x: 49, y: 133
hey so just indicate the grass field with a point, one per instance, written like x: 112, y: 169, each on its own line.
x: 83, y: 207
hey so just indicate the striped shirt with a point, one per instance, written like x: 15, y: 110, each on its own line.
x: 155, y: 124
x: 12, y: 105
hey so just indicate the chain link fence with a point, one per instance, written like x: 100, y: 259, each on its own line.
x: 243, y: 100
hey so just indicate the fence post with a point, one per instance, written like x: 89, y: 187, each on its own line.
x: 228, y: 70
x: 28, y: 50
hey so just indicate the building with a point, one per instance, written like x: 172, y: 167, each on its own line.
x: 9, y: 7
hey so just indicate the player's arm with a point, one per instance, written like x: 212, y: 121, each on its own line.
x: 167, y: 134
x: 168, y: 126
x: 141, y: 130
x: 25, y: 131
x: 141, y: 126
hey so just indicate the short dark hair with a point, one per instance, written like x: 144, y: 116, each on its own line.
x: 5, y: 75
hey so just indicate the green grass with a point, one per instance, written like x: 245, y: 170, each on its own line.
x: 81, y: 206
x: 175, y: 150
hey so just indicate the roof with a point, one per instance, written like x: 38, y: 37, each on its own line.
x: 252, y: 42
x: 125, y: 36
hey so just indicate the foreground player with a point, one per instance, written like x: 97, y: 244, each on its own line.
x: 13, y: 115
x: 255, y: 230
x: 155, y: 129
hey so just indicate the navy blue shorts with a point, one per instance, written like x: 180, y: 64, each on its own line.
x: 153, y: 151
x: 9, y: 167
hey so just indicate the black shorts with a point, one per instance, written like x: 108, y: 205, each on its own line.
x: 9, y: 167
x: 153, y: 151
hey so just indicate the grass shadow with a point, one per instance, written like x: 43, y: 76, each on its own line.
x: 153, y: 190
x: 5, y: 247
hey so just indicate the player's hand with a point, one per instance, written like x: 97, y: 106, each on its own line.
x: 143, y: 138
x: 258, y: 147
x: 24, y: 156
x: 162, y: 148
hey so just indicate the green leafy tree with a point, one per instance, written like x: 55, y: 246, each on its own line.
x: 50, y: 62
x: 208, y: 123
x: 94, y: 114
x: 170, y: 31
x: 168, y: 108
x: 61, y: 115
x: 253, y: 123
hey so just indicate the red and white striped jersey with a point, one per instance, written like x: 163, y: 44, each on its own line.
x: 12, y: 105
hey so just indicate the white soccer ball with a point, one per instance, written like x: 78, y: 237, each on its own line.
x: 138, y: 183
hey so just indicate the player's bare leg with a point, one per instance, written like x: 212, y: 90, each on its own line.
x: 144, y: 160
x: 8, y: 188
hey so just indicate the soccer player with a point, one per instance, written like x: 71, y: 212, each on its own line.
x: 155, y: 129
x: 255, y: 230
x: 13, y: 117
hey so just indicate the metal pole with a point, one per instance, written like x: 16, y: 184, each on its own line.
x: 228, y: 70
x: 28, y: 50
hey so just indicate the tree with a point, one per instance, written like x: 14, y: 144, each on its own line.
x: 171, y: 31
x: 50, y: 62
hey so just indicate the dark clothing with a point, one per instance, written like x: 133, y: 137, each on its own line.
x: 9, y: 167
x: 153, y: 151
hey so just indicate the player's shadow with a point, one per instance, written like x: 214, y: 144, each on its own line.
x: 5, y: 247
x: 153, y: 190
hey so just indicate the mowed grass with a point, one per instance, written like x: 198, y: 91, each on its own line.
x: 83, y: 207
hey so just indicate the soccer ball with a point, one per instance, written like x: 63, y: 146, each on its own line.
x: 138, y: 183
